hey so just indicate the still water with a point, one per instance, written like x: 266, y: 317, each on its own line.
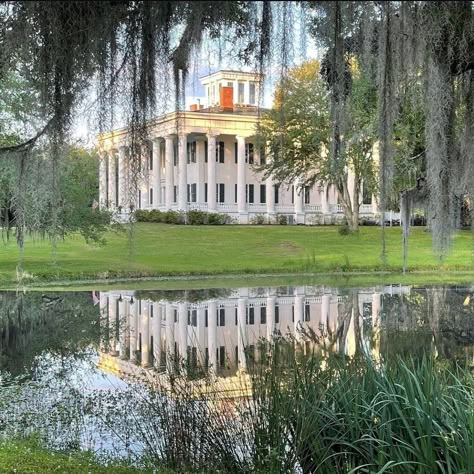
x: 74, y: 366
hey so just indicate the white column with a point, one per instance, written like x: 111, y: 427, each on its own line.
x: 212, y: 335
x: 103, y: 179
x: 183, y: 329
x: 156, y: 332
x: 169, y: 191
x: 123, y: 182
x: 299, y: 311
x: 156, y: 173
x: 211, y: 173
x: 324, y: 200
x: 270, y: 316
x: 122, y: 326
x: 112, y: 325
x: 112, y: 195
x: 376, y: 306
x: 241, y: 180
x: 133, y: 321
x: 145, y: 330
x: 103, y: 320
x: 200, y: 156
x: 200, y: 334
x: 299, y: 193
x: 270, y: 197
x: 242, y: 332
x: 169, y: 333
x: 183, y: 179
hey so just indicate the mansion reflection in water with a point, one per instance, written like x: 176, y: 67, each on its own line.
x: 223, y: 332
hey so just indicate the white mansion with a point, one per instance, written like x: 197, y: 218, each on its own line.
x: 204, y: 158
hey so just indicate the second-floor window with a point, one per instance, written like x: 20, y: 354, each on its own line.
x: 220, y: 152
x: 252, y: 99
x: 240, y: 97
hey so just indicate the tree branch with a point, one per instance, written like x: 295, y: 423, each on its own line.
x: 28, y: 143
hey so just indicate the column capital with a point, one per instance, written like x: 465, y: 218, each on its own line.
x: 241, y: 137
x: 122, y: 148
x: 157, y: 140
x: 170, y: 136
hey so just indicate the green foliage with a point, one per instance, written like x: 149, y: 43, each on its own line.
x: 259, y: 219
x: 281, y: 219
x: 26, y: 456
x: 192, y: 217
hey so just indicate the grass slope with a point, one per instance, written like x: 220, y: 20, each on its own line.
x: 159, y: 249
x: 25, y: 457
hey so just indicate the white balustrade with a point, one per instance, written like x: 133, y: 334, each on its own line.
x: 226, y: 207
x: 312, y: 208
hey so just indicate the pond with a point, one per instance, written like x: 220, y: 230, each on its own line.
x: 82, y: 370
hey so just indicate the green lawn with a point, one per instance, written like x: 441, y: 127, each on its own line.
x: 25, y: 457
x: 161, y: 249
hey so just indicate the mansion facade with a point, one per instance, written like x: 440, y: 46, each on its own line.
x: 204, y: 158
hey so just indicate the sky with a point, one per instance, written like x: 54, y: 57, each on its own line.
x: 211, y: 57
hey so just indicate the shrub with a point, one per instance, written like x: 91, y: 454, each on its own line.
x: 344, y: 228
x: 258, y: 219
x: 192, y: 217
x: 195, y: 217
x: 281, y: 219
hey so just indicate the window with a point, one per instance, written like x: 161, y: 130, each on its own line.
x: 175, y: 153
x: 240, y: 97
x: 150, y: 159
x: 220, y: 152
x: 366, y: 195
x: 192, y: 192
x: 222, y: 356
x: 175, y: 311
x: 220, y: 192
x: 263, y: 315
x: 249, y: 191
x: 230, y: 84
x: 277, y: 315
x: 250, y: 319
x: 307, y: 312
x: 252, y: 93
x: 221, y: 317
x: 116, y: 177
x: 206, y: 151
x: 276, y: 188
x: 192, y: 317
x: 139, y: 306
x: 293, y: 314
x: 151, y: 311
x: 236, y: 152
x: 151, y: 196
x: 263, y: 158
x: 139, y: 199
x: 206, y: 318
x: 191, y: 152
x: 235, y: 191
x: 188, y: 199
x: 263, y: 194
x: 205, y: 192
x: 292, y: 194
x: 175, y: 193
x: 236, y: 316
x: 306, y: 194
x: 249, y: 153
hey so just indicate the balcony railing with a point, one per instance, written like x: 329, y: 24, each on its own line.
x: 284, y: 208
x: 261, y: 208
x: 226, y: 207
x: 312, y: 208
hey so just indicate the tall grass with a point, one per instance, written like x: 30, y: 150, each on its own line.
x: 317, y: 414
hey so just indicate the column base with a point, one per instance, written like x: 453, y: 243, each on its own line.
x: 243, y: 217
x: 299, y: 218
